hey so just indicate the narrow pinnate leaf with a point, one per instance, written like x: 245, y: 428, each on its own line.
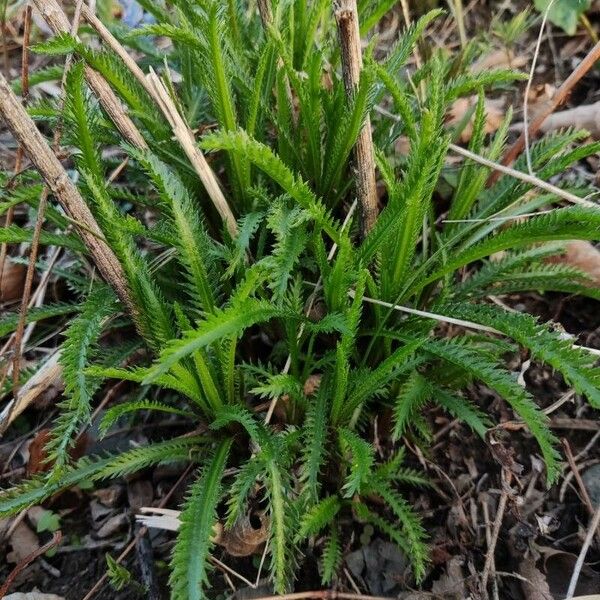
x: 189, y: 575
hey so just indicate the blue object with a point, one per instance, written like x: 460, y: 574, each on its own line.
x: 134, y: 14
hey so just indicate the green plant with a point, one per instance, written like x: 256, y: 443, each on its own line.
x: 564, y: 13
x: 226, y: 324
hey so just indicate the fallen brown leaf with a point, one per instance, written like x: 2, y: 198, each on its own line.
x: 582, y: 255
x: 499, y: 59
x: 535, y: 586
x: 38, y: 457
x: 23, y: 542
x: 246, y: 537
x: 11, y: 282
x: 494, y: 115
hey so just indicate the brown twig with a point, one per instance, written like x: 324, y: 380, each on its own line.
x: 584, y: 550
x: 33, y: 252
x: 25, y: 95
x: 4, y: 39
x: 59, y: 23
x: 156, y: 90
x: 56, y: 539
x: 346, y: 16
x: 548, y: 108
x: 489, y: 559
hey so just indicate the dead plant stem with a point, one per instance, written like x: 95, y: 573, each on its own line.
x: 548, y: 108
x: 346, y: 16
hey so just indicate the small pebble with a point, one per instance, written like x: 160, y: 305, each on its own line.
x: 591, y: 480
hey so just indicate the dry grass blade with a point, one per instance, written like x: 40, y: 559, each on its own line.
x: 157, y: 91
x: 184, y: 135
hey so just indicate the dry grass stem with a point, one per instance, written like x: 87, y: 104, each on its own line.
x: 41, y: 155
x: 185, y: 136
x: 58, y: 22
x: 346, y: 16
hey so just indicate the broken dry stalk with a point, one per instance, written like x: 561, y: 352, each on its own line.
x: 58, y: 22
x: 559, y: 98
x: 489, y: 559
x: 40, y: 154
x: 184, y: 135
x: 156, y: 90
x: 111, y: 41
x: 346, y: 16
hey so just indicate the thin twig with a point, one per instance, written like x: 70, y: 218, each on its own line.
x: 25, y: 97
x: 56, y: 539
x: 346, y: 16
x: 588, y: 446
x: 501, y: 168
x: 549, y: 107
x: 583, y: 492
x: 528, y: 87
x: 4, y: 39
x: 489, y: 559
x: 585, y: 497
x: 33, y: 253
x: 531, y: 179
x: 446, y: 319
x: 584, y: 550
x: 416, y: 54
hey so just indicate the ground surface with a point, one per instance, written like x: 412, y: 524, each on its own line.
x: 541, y: 530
